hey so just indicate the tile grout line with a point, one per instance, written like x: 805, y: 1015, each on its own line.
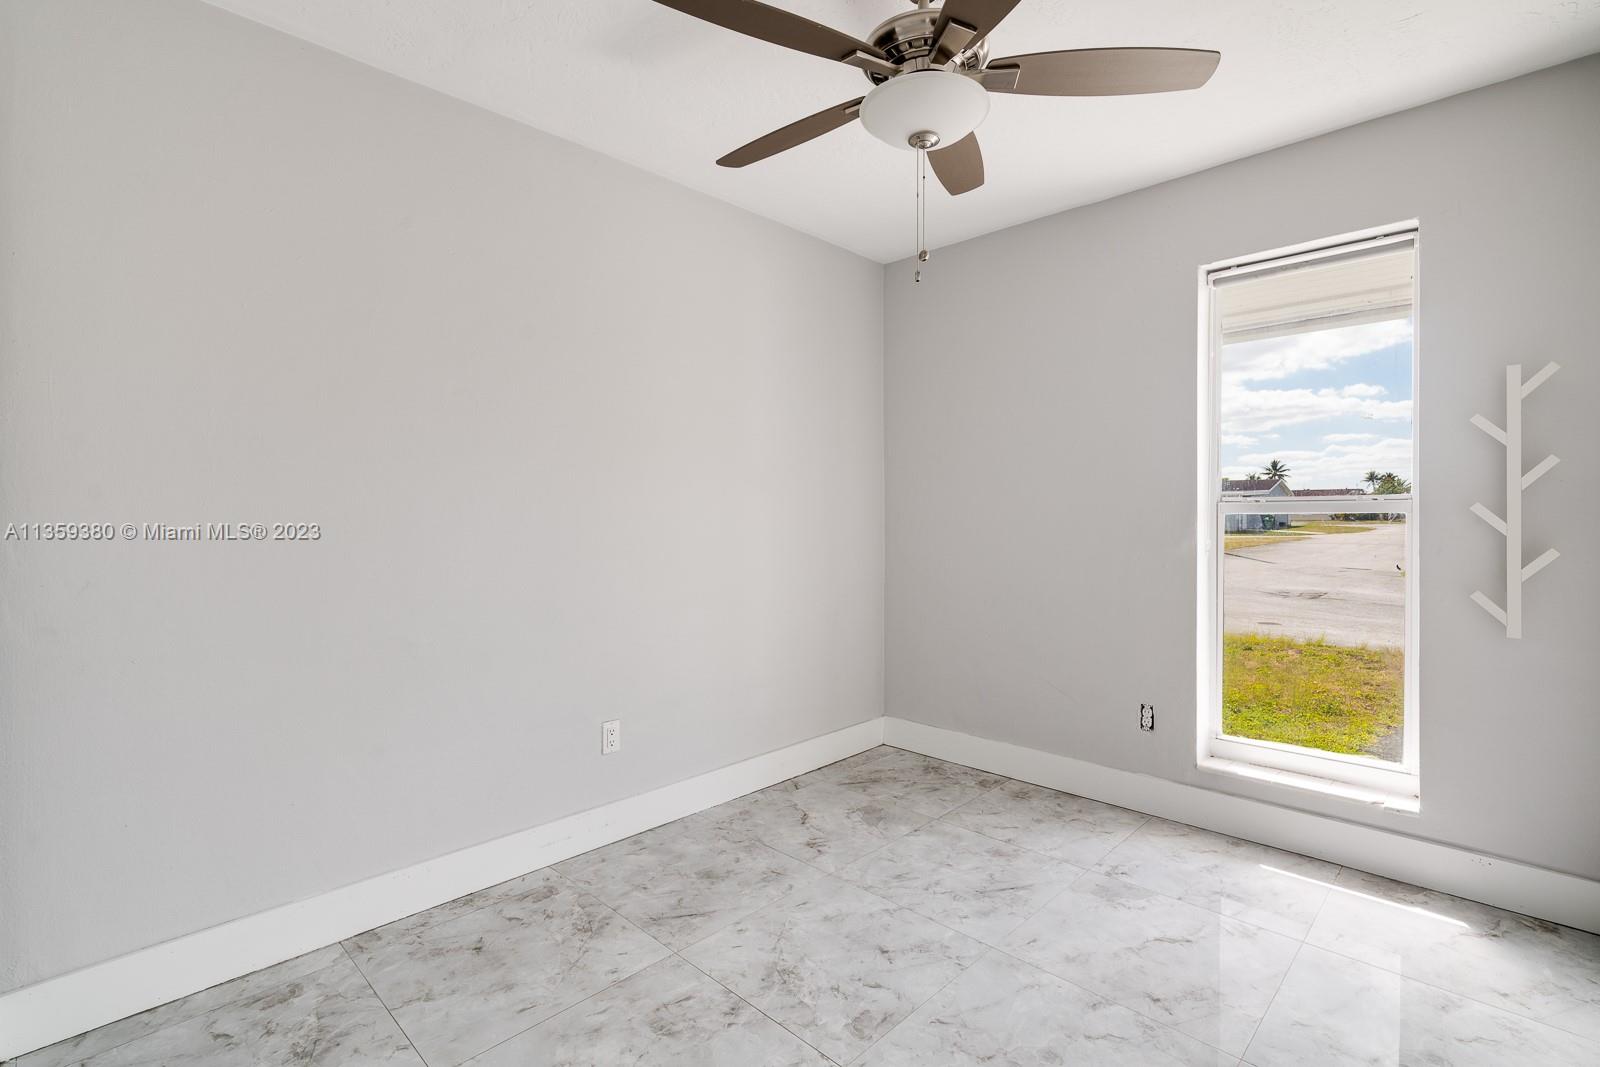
x: 1096, y: 869
x: 1400, y: 972
x: 1300, y: 941
x: 674, y: 952
x: 1093, y: 869
x: 868, y: 889
x: 1030, y: 848
x: 870, y: 852
x: 491, y: 902
x: 928, y: 820
x: 550, y: 870
x: 581, y: 891
x: 1333, y: 951
x: 900, y: 907
x: 1099, y: 869
x: 1083, y: 869
x: 345, y: 952
x: 383, y: 1004
x: 1036, y: 912
x: 1097, y: 866
x: 18, y: 1061
x: 754, y: 1006
x: 922, y: 1003
x: 1256, y: 1029
x: 1098, y: 995
x: 986, y: 944
x: 763, y: 906
x: 1147, y: 816
x: 574, y: 1005
x: 1041, y: 852
x: 889, y: 903
x: 988, y: 947
x: 1001, y: 950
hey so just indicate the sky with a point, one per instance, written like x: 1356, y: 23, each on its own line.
x: 1331, y: 405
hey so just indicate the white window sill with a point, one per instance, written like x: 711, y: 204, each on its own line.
x: 1407, y: 802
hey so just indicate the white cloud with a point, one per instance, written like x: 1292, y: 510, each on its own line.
x: 1239, y: 439
x: 1254, y: 411
x: 1346, y: 438
x: 1363, y: 389
x: 1280, y: 357
x: 1339, y: 466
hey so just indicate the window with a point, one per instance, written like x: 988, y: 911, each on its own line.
x: 1308, y: 577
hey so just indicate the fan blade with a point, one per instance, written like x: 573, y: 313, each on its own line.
x: 775, y: 26
x: 1107, y: 71
x: 959, y: 167
x: 796, y: 133
x: 963, y: 23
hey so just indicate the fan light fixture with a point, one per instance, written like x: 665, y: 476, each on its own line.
x: 932, y: 75
x: 924, y: 109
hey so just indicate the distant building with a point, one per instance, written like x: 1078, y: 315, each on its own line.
x: 1251, y: 489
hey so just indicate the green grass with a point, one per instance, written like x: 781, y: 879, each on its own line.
x: 1310, y: 693
x: 1256, y: 538
x: 1331, y: 527
x: 1296, y: 532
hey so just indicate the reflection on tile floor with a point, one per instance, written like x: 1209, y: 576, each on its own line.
x: 896, y: 909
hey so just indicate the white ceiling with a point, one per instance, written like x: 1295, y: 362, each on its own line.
x: 645, y: 84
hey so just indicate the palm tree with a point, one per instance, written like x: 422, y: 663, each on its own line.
x: 1391, y: 484
x: 1371, y: 479
x: 1275, y: 471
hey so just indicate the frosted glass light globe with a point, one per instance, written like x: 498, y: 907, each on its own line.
x: 950, y: 106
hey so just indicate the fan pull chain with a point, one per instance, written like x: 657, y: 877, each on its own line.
x: 922, y: 211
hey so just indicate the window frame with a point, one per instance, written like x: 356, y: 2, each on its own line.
x: 1360, y: 776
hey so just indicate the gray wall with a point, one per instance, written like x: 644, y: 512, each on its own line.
x: 1043, y: 378
x: 579, y: 442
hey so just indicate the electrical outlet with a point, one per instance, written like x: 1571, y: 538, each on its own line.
x: 610, y: 736
x: 1147, y: 716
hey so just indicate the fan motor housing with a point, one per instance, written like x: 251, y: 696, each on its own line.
x: 907, y: 39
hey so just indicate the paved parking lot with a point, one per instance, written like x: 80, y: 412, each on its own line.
x: 1346, y: 588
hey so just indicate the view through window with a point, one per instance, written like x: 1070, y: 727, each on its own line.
x: 1314, y: 444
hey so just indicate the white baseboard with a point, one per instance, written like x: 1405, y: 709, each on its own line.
x: 42, y: 1014
x: 1520, y: 887
x: 58, y: 1008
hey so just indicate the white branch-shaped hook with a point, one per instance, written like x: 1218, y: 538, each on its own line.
x: 1545, y: 559
x: 1539, y: 379
x: 1489, y: 517
x: 1510, y: 527
x: 1490, y: 606
x: 1489, y: 428
x: 1539, y: 471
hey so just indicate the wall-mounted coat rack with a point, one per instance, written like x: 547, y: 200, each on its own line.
x: 1510, y: 527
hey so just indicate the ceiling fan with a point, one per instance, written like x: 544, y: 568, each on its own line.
x: 932, y: 76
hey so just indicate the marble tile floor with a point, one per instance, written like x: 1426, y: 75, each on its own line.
x: 893, y: 909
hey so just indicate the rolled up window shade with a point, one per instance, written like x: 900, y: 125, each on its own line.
x: 1347, y: 288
